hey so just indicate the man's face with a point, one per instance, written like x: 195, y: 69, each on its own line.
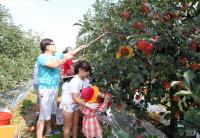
x: 51, y: 47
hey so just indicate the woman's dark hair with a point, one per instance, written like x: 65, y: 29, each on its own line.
x: 65, y: 51
x: 44, y: 43
x: 82, y: 64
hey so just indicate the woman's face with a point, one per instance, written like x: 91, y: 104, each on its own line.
x: 83, y: 73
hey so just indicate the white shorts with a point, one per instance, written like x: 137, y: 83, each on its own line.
x: 36, y: 89
x: 70, y: 108
x: 48, y: 103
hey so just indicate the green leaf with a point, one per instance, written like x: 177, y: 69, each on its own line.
x: 179, y: 83
x: 192, y: 116
x: 174, y: 83
x: 78, y: 24
x: 188, y: 75
x: 183, y: 93
x: 186, y: 84
x: 144, y: 72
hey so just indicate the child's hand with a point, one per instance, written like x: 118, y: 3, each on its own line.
x: 107, y: 97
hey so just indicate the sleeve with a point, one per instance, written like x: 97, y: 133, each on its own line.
x: 75, y: 87
x: 42, y: 60
x: 59, y: 55
x: 65, y: 86
x: 87, y: 83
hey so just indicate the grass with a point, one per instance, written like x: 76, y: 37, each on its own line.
x: 57, y: 136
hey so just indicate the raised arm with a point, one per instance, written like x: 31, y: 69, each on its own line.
x: 105, y: 103
x: 75, y: 51
x: 58, y: 63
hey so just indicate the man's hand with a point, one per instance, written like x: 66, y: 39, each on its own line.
x: 75, y: 51
x: 83, y: 46
x: 92, y: 106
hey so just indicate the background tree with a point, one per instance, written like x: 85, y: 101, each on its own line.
x: 150, y: 44
x: 18, y: 52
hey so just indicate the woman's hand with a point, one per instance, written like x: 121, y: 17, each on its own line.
x: 80, y: 101
x: 92, y: 106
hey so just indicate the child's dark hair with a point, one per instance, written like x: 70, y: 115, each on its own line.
x: 82, y: 64
x: 67, y: 49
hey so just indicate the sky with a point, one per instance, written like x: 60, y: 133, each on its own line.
x: 51, y: 18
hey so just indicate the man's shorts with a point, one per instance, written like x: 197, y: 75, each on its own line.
x: 70, y: 108
x: 48, y: 103
x: 36, y: 89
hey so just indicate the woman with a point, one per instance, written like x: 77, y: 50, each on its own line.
x: 71, y: 101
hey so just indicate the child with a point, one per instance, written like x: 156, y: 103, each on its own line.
x: 91, y: 127
x: 67, y: 68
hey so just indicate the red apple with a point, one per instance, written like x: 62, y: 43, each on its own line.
x: 110, y: 104
x: 155, y: 38
x: 126, y: 15
x: 141, y: 44
x: 176, y: 98
x: 166, y: 17
x: 166, y: 85
x: 177, y: 115
x: 194, y: 46
x: 183, y: 60
x: 194, y: 66
x: 139, y: 25
x: 122, y: 37
x: 137, y: 97
x: 149, y: 48
x: 145, y: 9
x: 120, y: 107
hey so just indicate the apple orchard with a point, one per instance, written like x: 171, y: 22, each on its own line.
x: 151, y: 51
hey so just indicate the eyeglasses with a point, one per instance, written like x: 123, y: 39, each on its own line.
x: 52, y: 44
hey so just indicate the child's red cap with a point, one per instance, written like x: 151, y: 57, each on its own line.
x: 87, y: 93
x: 90, y: 94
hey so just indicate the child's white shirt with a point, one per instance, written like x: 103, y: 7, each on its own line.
x: 74, y: 86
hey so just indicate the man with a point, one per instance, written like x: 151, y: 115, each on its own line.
x: 49, y: 63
